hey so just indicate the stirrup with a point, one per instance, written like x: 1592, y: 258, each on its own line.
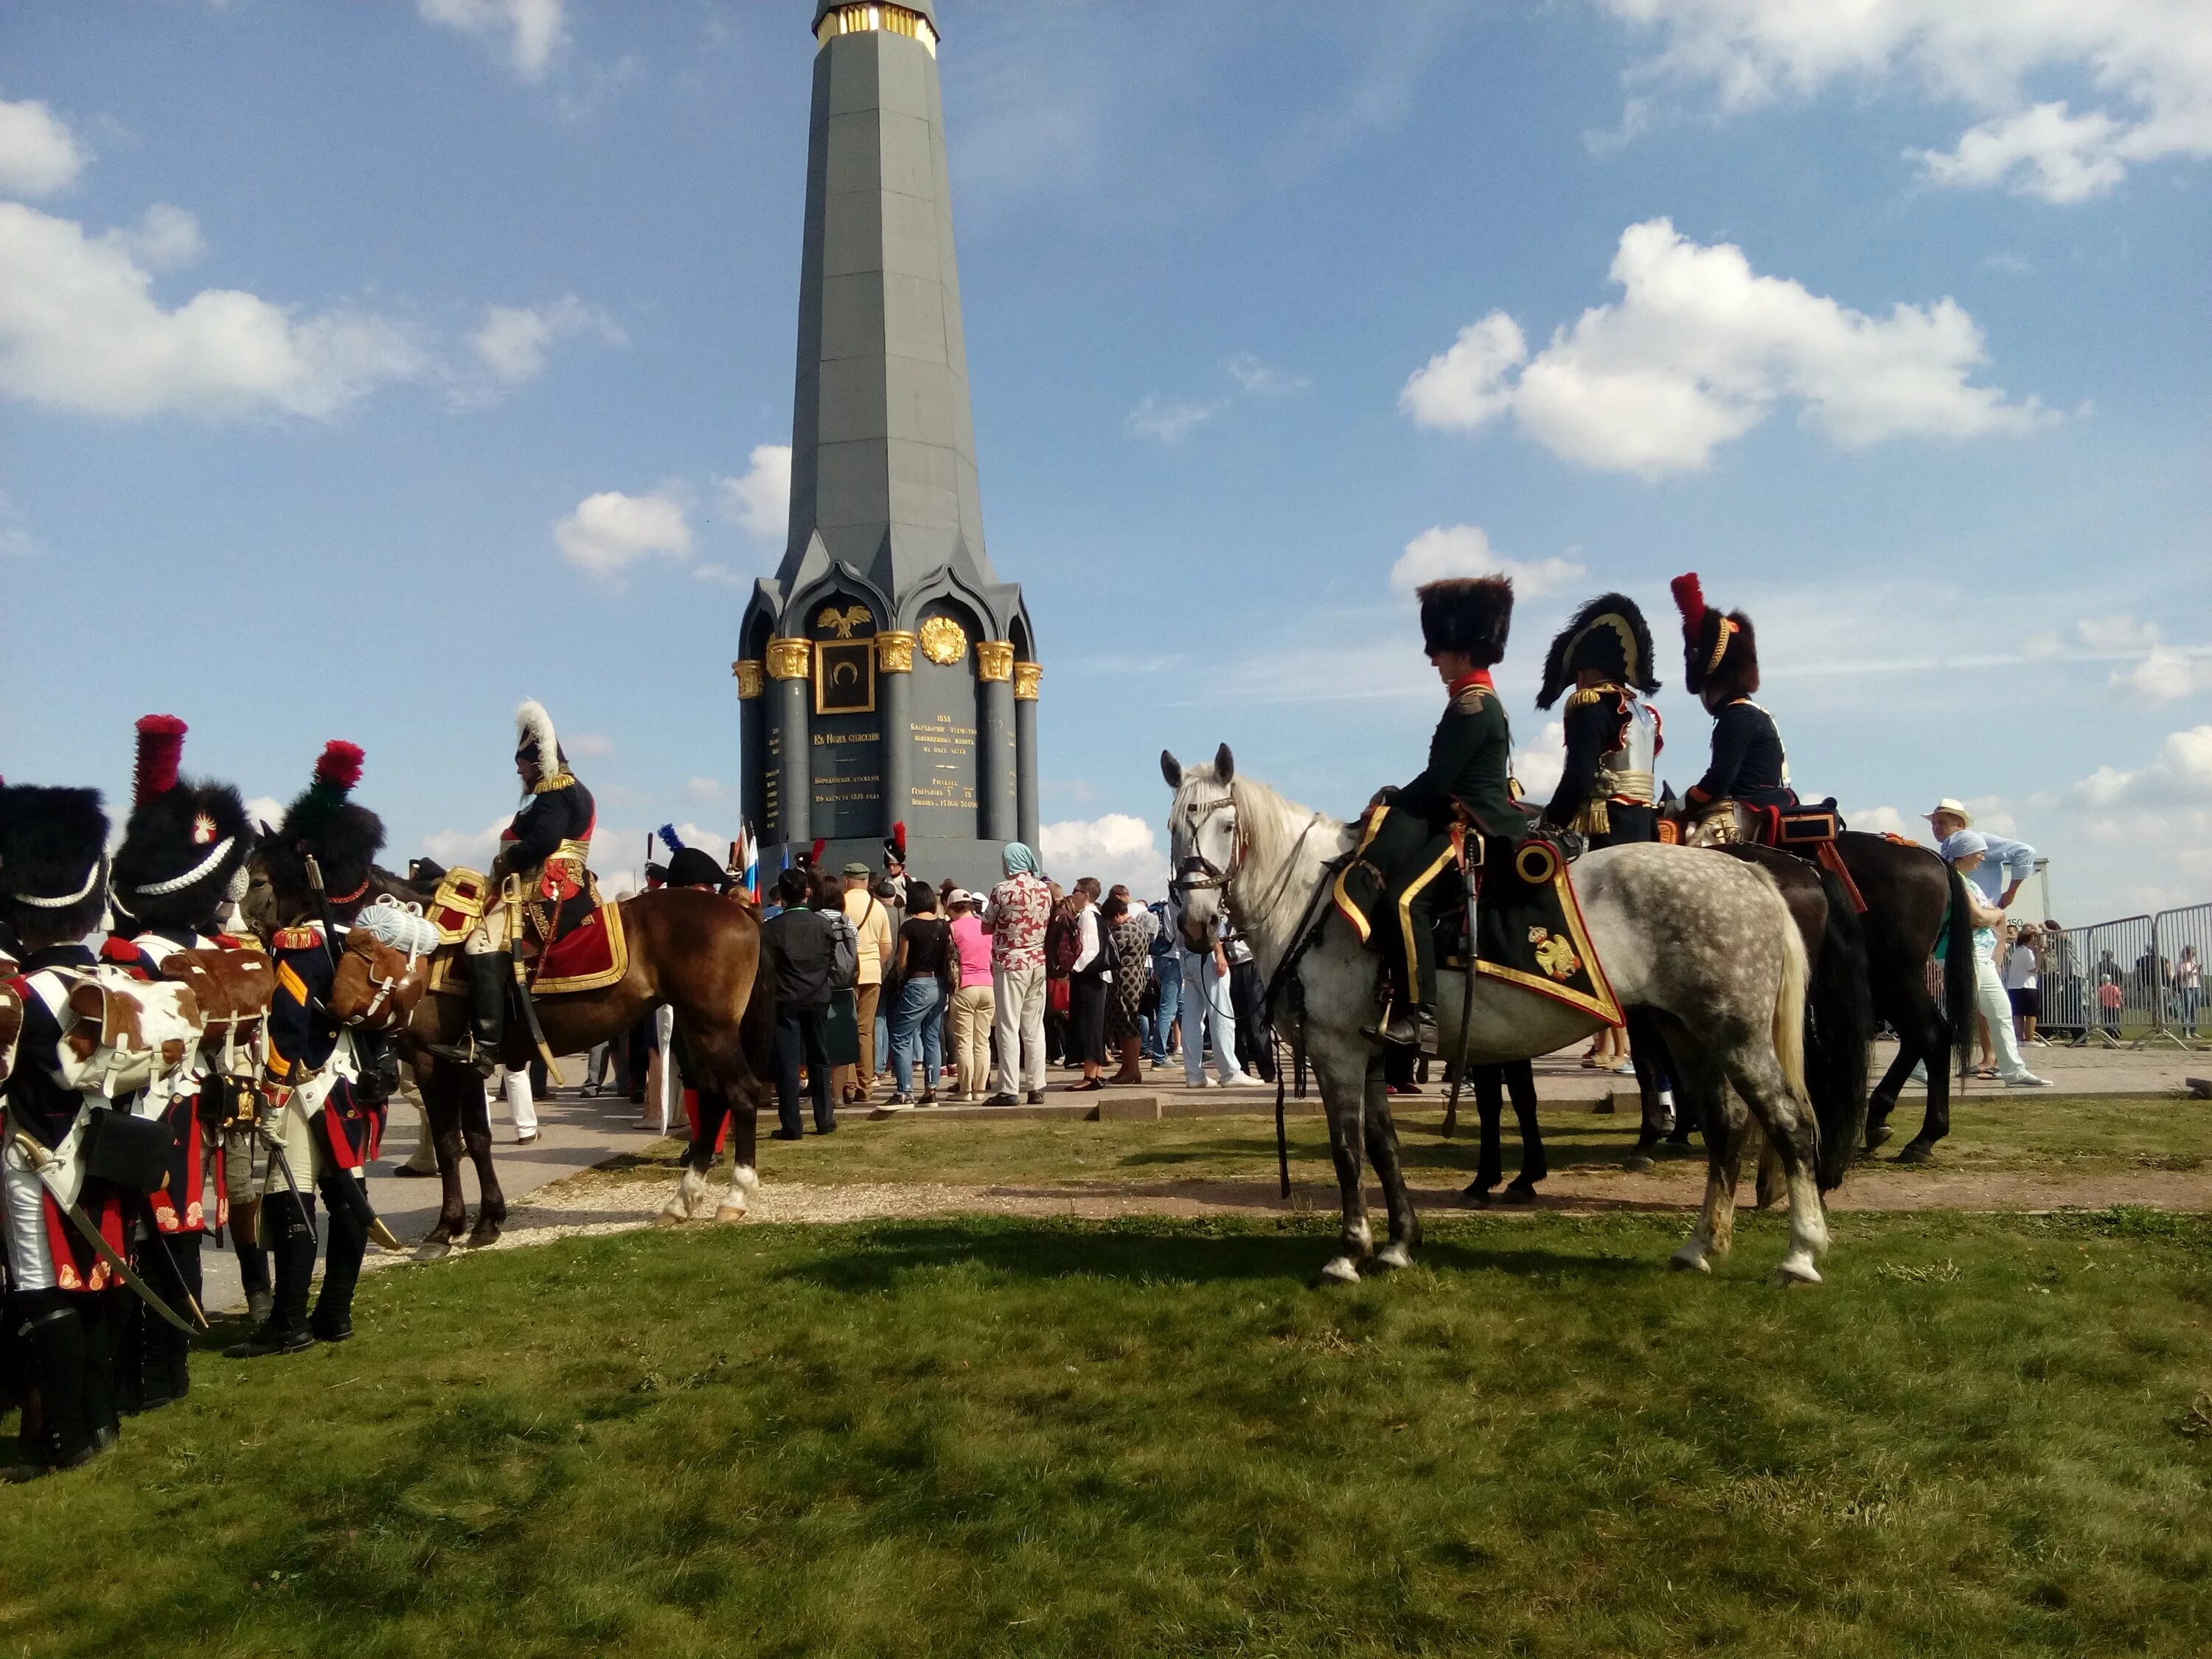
x: 465, y: 1053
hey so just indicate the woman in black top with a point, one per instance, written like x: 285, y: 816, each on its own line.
x: 918, y: 1018
x: 1090, y: 982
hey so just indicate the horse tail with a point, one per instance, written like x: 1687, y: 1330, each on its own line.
x: 757, y: 1023
x: 1959, y: 972
x: 1789, y: 1001
x: 1843, y: 1029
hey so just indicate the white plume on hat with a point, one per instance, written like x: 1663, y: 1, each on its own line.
x: 533, y: 730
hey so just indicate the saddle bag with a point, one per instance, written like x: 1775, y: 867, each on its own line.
x: 1797, y: 827
x: 130, y: 1152
x: 457, y: 905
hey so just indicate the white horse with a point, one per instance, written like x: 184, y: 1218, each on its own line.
x: 1707, y: 944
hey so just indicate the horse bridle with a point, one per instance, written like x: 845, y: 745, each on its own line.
x: 1198, y: 871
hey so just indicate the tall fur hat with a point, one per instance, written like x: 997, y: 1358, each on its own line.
x: 535, y: 739
x: 1468, y: 614
x: 53, y: 860
x: 185, y: 843
x: 1721, y: 652
x: 895, y: 844
x: 324, y: 824
x: 1610, y: 635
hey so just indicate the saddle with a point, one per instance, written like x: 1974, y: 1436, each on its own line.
x: 1807, y: 831
x: 575, y: 944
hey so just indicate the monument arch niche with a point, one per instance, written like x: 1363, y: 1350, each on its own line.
x: 845, y: 738
x: 942, y: 720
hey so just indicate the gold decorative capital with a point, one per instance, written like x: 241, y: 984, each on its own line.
x: 859, y: 19
x: 751, y: 682
x: 1026, y: 675
x: 995, y: 660
x: 788, y: 659
x: 894, y: 652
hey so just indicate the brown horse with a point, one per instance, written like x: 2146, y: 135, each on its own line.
x: 694, y: 951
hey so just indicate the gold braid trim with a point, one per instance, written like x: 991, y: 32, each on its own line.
x: 558, y: 781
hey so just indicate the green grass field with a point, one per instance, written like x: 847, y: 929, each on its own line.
x: 1997, y: 1133
x: 1982, y: 1436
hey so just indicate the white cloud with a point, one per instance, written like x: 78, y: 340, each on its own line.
x: 1262, y: 379
x: 2148, y: 63
x: 707, y: 570
x: 1537, y: 768
x: 166, y: 238
x: 1462, y: 549
x: 2117, y: 633
x: 514, y: 339
x: 703, y: 789
x: 1171, y: 421
x: 1116, y: 848
x: 81, y: 331
x: 2181, y: 775
x: 471, y: 848
x: 761, y: 501
x: 610, y: 532
x: 17, y: 541
x: 1884, y: 821
x: 39, y: 153
x: 589, y: 745
x: 533, y: 29
x: 1701, y: 349
x: 2167, y: 674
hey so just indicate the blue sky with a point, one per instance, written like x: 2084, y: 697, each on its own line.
x: 364, y: 369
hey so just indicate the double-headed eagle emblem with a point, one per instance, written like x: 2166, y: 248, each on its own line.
x: 844, y: 621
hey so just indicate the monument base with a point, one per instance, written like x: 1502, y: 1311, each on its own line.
x: 976, y: 865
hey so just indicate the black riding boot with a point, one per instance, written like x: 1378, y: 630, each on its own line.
x: 292, y: 1252
x: 102, y: 1315
x: 344, y: 1247
x: 252, y: 1269
x: 490, y: 973
x: 165, y: 1352
x: 56, y: 1338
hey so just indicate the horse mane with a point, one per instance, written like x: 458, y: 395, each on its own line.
x: 1271, y: 824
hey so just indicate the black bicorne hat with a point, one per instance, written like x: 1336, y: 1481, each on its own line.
x: 53, y: 860
x: 694, y: 866
x: 1468, y: 614
x: 185, y: 842
x: 323, y: 824
x: 1610, y: 635
x: 1719, y: 652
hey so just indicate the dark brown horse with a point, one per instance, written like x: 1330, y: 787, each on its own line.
x: 694, y: 951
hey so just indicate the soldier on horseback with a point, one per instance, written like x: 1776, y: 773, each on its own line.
x: 181, y: 865
x: 1408, y: 840
x: 544, y: 849
x: 1749, y: 768
x: 1606, y: 794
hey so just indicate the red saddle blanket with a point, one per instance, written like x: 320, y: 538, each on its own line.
x: 591, y: 955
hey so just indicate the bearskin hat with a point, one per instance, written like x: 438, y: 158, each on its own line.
x: 185, y: 842
x: 895, y: 845
x: 1469, y: 614
x: 322, y: 823
x: 53, y: 860
x: 535, y: 739
x: 1608, y: 634
x: 1718, y: 653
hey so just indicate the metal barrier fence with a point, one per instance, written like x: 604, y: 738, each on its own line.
x: 2185, y: 939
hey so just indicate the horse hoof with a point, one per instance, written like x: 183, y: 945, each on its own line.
x: 1481, y: 1197
x: 1878, y: 1134
x: 1518, y: 1192
x: 1391, y: 1256
x: 730, y: 1214
x: 1917, y: 1151
x: 483, y: 1235
x: 1338, y: 1270
x: 1688, y: 1259
x: 1794, y: 1271
x: 1637, y: 1163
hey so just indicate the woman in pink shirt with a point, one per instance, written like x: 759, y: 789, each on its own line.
x: 972, y: 1003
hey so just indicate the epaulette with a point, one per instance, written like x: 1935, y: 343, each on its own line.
x: 303, y: 938
x: 124, y: 955
x: 239, y: 942
x: 1469, y: 700
x: 1585, y: 695
x: 548, y: 786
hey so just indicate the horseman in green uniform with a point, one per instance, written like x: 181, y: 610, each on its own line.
x: 544, y: 849
x: 1407, y: 838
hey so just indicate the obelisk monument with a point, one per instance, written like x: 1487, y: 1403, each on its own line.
x: 887, y: 675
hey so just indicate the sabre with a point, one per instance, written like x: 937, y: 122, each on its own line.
x: 511, y: 895
x: 42, y: 1162
x: 1467, y: 997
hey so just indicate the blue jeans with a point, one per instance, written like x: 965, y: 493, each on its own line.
x: 918, y: 1021
x: 1169, y: 973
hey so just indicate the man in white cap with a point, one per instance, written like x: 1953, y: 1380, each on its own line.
x: 2004, y: 866
x: 1967, y: 849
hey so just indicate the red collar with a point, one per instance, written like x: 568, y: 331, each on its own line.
x: 1480, y: 677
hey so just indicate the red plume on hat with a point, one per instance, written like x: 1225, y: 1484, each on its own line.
x: 161, y: 746
x: 1717, y: 650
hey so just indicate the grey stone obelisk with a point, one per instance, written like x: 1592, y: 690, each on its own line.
x: 898, y: 673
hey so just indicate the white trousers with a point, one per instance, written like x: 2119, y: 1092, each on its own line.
x: 1991, y: 1003
x: 521, y: 1105
x: 1017, y: 1018
x: 1207, y: 1011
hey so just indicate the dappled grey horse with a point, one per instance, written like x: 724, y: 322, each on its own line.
x: 1705, y: 944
